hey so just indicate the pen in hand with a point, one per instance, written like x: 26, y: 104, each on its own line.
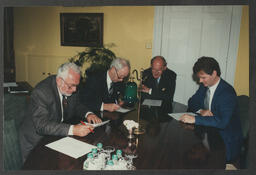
x: 85, y: 125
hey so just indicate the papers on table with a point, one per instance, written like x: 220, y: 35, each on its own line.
x: 71, y: 147
x: 97, y: 124
x: 176, y: 116
x: 123, y: 110
x: 150, y: 102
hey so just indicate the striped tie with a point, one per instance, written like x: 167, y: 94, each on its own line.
x: 111, y: 89
x: 207, y: 99
x: 65, y: 107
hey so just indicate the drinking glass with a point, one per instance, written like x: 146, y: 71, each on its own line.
x: 108, y: 150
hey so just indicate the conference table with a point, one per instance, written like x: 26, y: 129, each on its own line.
x: 166, y: 144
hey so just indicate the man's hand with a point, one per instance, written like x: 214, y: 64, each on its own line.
x: 144, y: 89
x: 206, y: 113
x: 81, y: 130
x: 121, y: 103
x: 185, y: 118
x: 111, y: 107
x: 92, y: 118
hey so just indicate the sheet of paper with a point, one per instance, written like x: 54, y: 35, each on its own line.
x: 123, y: 110
x: 71, y: 147
x: 97, y: 124
x: 176, y: 116
x: 150, y: 102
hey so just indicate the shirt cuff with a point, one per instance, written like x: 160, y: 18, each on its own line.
x: 70, y: 131
x: 150, y: 91
x: 88, y: 114
x: 101, y: 108
x: 199, y: 111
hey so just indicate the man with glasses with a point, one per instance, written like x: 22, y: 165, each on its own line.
x: 159, y: 83
x: 102, y: 90
x: 55, y: 109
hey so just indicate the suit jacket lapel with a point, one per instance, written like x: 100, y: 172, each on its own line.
x: 216, y: 93
x: 57, y: 99
x: 105, y: 84
x: 162, y: 81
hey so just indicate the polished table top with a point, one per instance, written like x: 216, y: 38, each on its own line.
x: 166, y: 144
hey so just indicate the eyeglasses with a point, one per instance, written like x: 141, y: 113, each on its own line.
x: 70, y: 86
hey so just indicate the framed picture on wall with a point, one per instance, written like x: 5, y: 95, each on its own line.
x: 81, y: 29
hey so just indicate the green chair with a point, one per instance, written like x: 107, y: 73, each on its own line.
x: 243, y: 104
x: 14, y: 112
x: 12, y: 152
x: 15, y: 107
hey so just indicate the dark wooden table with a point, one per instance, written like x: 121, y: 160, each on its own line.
x: 166, y: 144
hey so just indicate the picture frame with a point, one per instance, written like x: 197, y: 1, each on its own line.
x: 81, y: 29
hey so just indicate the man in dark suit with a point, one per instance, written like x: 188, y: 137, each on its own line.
x: 100, y: 91
x: 159, y: 83
x: 53, y: 105
x: 216, y: 104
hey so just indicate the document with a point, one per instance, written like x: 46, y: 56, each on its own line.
x: 97, y: 124
x: 123, y: 110
x: 71, y: 147
x: 150, y: 102
x: 176, y: 116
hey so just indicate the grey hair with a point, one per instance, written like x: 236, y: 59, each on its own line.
x: 64, y: 68
x: 120, y: 63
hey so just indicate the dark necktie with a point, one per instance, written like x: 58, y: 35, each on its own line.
x: 65, y: 107
x: 207, y: 99
x: 156, y: 82
x: 111, y: 89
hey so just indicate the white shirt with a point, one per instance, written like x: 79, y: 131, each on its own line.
x: 212, y: 91
x: 109, y: 81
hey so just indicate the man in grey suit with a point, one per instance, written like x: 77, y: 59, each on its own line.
x: 53, y: 105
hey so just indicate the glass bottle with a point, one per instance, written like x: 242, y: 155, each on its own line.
x: 88, y: 161
x: 94, y: 152
x: 119, y: 154
x: 115, y: 159
x: 99, y: 147
x: 109, y: 165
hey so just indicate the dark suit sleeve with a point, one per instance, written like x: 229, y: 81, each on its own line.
x: 91, y: 94
x: 44, y: 121
x: 80, y: 109
x: 169, y: 83
x: 169, y: 92
x: 196, y: 101
x: 223, y: 110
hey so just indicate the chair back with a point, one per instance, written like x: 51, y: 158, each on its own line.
x: 14, y: 113
x: 178, y: 107
x: 243, y: 105
x: 12, y: 152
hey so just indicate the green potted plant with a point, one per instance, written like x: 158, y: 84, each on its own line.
x: 99, y: 57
